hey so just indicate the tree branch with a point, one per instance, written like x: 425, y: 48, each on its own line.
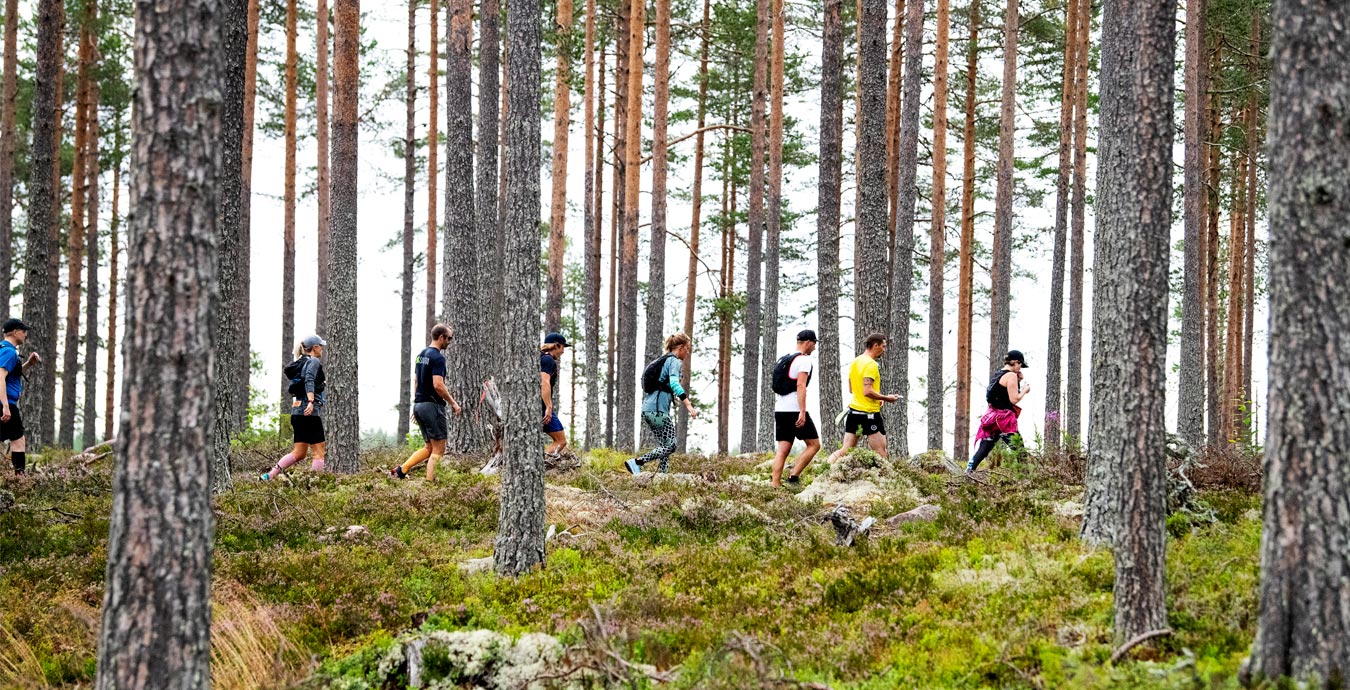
x: 647, y: 159
x: 1138, y: 640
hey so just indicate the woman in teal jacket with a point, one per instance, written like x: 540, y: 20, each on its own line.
x: 656, y: 404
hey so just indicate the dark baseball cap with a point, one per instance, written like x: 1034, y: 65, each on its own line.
x: 1016, y: 356
x: 556, y: 339
x: 15, y: 325
x: 807, y: 335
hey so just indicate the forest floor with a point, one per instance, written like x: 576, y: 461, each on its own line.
x: 704, y: 578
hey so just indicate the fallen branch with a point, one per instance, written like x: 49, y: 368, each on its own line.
x: 1138, y: 640
x: 63, y: 513
x: 92, y: 453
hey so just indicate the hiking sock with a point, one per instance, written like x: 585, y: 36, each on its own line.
x: 431, y: 467
x: 316, y: 465
x: 20, y: 460
x: 986, y: 447
x: 285, y: 462
x: 417, y: 458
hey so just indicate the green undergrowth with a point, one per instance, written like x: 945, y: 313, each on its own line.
x: 680, y: 571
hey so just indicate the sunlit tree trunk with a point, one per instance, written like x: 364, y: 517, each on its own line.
x: 433, y: 154
x: 8, y: 93
x: 754, y: 263
x: 617, y: 210
x: 696, y: 214
x: 894, y: 81
x: 774, y: 229
x: 656, y: 267
x: 966, y: 281
x: 1237, y: 262
x: 89, y: 413
x: 593, y: 217
x: 938, y: 236
x: 114, y: 226
x: 321, y: 181
x: 288, y: 203
x: 79, y: 192
x: 1213, y: 351
x: 1249, y: 270
x: 409, y: 193
x: 562, y: 114
x: 1073, y: 369
x: 1054, y: 341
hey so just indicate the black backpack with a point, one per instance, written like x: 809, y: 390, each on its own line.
x: 294, y: 372
x: 651, y: 376
x: 782, y: 382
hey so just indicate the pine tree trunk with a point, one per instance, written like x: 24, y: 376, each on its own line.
x: 44, y: 212
x: 113, y: 265
x: 520, y: 538
x: 1191, y: 396
x: 485, y: 205
x: 340, y: 361
x: 89, y: 413
x: 696, y: 215
x: 627, y: 337
x: 1237, y: 262
x: 894, y: 82
x: 1303, y: 619
x: 1000, y: 273
x: 243, y: 353
x: 769, y: 351
x: 622, y: 33
x: 1213, y: 352
x: 827, y: 218
x: 463, y: 247
x: 656, y: 266
x: 322, y: 181
x: 1127, y: 468
x: 966, y: 281
x: 871, y: 285
x: 756, y: 216
x: 562, y: 113
x: 1249, y: 271
x: 409, y: 193
x: 937, y: 250
x: 1053, y: 351
x: 433, y: 151
x: 79, y: 192
x: 228, y: 332
x: 902, y: 259
x: 288, y: 202
x: 8, y: 93
x: 858, y: 333
x: 157, y: 595
x: 1126, y: 474
x: 1073, y: 364
x: 591, y: 222
x: 728, y: 289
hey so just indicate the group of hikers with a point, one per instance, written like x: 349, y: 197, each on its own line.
x: 663, y: 388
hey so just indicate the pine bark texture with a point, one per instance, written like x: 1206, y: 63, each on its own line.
x: 1237, y: 241
x: 8, y: 93
x: 485, y: 203
x: 113, y: 286
x: 562, y: 112
x: 79, y: 181
x: 1072, y: 418
x: 622, y: 33
x: 39, y: 290
x: 894, y: 82
x: 228, y: 332
x: 774, y: 229
x: 827, y: 215
x: 754, y: 262
x: 627, y: 371
x: 656, y: 266
x: 157, y: 595
x: 89, y: 411
x: 937, y: 242
x: 872, y: 241
x: 966, y: 280
x: 409, y: 193
x: 591, y: 216
x: 342, y: 419
x: 1126, y: 503
x: 322, y: 178
x: 1213, y: 370
x: 1000, y: 274
x: 1054, y: 355
x: 464, y: 248
x: 696, y: 216
x: 1191, y: 393
x: 244, y: 353
x: 433, y: 153
x: 288, y: 211
x: 520, y: 524
x: 902, y: 261
x: 1303, y: 619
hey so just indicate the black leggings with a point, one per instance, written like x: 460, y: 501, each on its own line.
x: 986, y: 447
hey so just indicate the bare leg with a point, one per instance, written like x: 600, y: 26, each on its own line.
x: 779, y: 458
x: 812, y: 447
x: 850, y: 440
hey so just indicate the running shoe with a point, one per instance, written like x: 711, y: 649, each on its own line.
x: 265, y: 477
x: 794, y: 480
x: 632, y: 466
x: 397, y: 472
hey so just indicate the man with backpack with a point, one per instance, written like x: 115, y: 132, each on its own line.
x: 429, y: 402
x: 11, y: 377
x: 791, y: 421
x: 660, y: 388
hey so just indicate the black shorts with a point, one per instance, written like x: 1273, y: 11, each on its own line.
x: 13, y: 429
x: 785, y: 429
x: 431, y: 420
x: 864, y: 423
x: 308, y: 428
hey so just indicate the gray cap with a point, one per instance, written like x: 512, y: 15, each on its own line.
x: 312, y: 340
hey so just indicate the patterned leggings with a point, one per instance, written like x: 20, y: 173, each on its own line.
x: 663, y: 425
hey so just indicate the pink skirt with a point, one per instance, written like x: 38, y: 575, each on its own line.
x: 995, y: 423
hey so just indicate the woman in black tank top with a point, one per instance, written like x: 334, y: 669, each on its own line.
x: 1000, y: 422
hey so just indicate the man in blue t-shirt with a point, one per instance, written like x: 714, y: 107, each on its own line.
x: 11, y: 377
x: 429, y: 399
x: 555, y: 344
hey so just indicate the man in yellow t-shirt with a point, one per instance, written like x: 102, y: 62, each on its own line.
x: 864, y: 408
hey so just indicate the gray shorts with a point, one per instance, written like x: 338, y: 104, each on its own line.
x: 432, y: 420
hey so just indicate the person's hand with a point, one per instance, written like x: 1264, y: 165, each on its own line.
x: 1026, y: 387
x: 33, y: 358
x: 548, y: 415
x: 892, y: 398
x: 801, y: 419
x: 693, y: 413
x: 458, y: 412
x: 4, y: 414
x: 309, y: 408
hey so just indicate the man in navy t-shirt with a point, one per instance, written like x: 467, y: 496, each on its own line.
x: 429, y: 399
x: 11, y: 376
x: 555, y: 344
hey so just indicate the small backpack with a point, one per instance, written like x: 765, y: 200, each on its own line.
x: 651, y: 376
x: 782, y: 381
x: 294, y: 372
